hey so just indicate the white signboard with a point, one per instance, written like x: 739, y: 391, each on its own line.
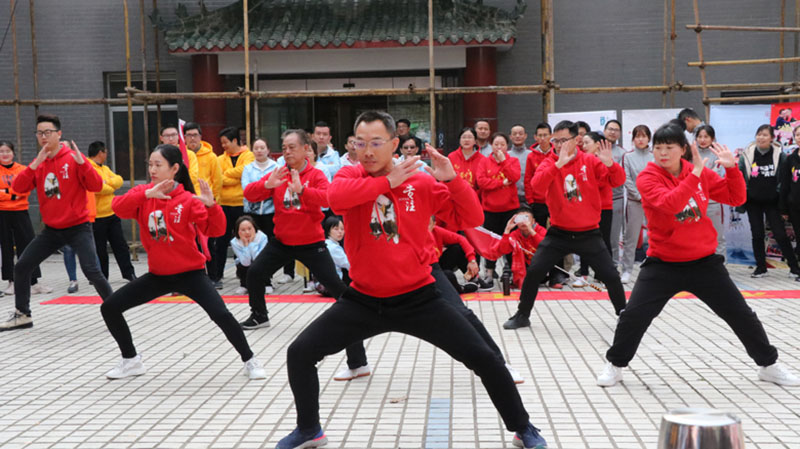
x: 596, y: 119
x: 735, y: 125
x: 653, y: 118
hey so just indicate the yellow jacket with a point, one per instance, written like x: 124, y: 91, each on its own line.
x: 232, y: 193
x: 208, y: 169
x: 193, y: 169
x: 111, y: 182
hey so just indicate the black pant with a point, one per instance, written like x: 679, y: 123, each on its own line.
x: 314, y: 256
x: 496, y: 222
x: 194, y: 284
x: 266, y: 224
x: 219, y: 246
x: 794, y: 217
x: 558, y: 243
x: 605, y: 231
x: 453, y: 258
x: 421, y: 313
x: 755, y: 213
x: 707, y: 279
x: 16, y: 232
x: 241, y: 273
x: 541, y: 215
x: 109, y: 229
x: 80, y: 238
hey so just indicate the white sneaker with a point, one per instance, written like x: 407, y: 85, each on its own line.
x: 253, y: 369
x: 10, y: 289
x: 779, y: 375
x: 283, y: 279
x: 240, y: 291
x: 610, y: 376
x: 350, y: 374
x: 626, y: 277
x: 310, y: 287
x: 518, y: 379
x: 580, y: 281
x: 40, y: 289
x: 16, y: 320
x: 268, y: 290
x: 127, y: 368
x: 73, y: 287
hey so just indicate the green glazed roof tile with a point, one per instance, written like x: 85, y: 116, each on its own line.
x: 343, y: 23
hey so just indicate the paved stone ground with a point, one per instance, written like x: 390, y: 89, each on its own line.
x: 54, y: 393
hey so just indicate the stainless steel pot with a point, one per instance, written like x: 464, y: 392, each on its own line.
x: 700, y: 428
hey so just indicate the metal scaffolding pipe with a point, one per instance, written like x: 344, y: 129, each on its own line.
x: 129, y: 101
x: 703, y: 64
x: 246, y: 32
x: 145, y: 112
x: 34, y: 60
x: 13, y: 6
x: 431, y: 76
x: 781, y: 29
x: 700, y: 56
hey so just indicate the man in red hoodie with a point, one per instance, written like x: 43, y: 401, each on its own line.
x: 61, y: 177
x: 572, y: 183
x: 386, y: 210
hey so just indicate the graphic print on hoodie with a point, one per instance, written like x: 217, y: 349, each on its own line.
x: 51, y: 186
x: 157, y: 226
x: 384, y: 219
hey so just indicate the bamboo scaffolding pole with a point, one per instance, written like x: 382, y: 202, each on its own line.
x: 796, y: 37
x: 34, y: 59
x: 672, y: 37
x: 158, y: 68
x: 781, y: 29
x: 700, y: 56
x: 703, y: 64
x: 246, y: 32
x: 13, y: 6
x: 548, y: 59
x: 129, y: 101
x: 664, y: 54
x: 145, y: 112
x: 780, y: 38
x: 753, y: 99
x: 256, y: 118
x: 431, y: 77
x: 65, y: 101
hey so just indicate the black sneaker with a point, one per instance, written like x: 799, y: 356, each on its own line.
x: 484, y: 286
x: 255, y: 322
x: 218, y: 284
x: 759, y: 272
x: 130, y: 278
x: 794, y: 271
x: 517, y: 321
x: 469, y: 287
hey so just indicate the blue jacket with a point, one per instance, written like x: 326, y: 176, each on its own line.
x: 338, y: 256
x: 244, y: 255
x: 251, y: 174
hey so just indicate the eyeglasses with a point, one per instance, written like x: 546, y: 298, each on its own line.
x: 374, y: 144
x: 45, y: 133
x: 560, y: 141
x: 191, y: 136
x: 170, y: 135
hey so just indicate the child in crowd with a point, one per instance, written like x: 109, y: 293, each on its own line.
x: 247, y: 244
x: 634, y: 162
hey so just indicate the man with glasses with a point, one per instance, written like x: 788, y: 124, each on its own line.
x: 612, y: 132
x: 61, y: 176
x: 170, y: 136
x: 386, y: 209
x: 208, y: 168
x: 572, y: 182
x: 299, y: 192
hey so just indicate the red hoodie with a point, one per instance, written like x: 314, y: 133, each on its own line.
x: 607, y: 193
x: 675, y: 208
x: 169, y: 227
x: 388, y: 242
x: 573, y: 192
x: 61, y: 185
x: 299, y: 223
x: 442, y: 237
x: 521, y: 248
x: 496, y: 197
x: 532, y: 163
x: 467, y: 169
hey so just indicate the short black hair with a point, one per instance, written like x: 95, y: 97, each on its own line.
x: 188, y: 126
x: 687, y: 113
x: 468, y: 129
x: 403, y: 120
x: 231, y: 133
x: 168, y: 126
x: 612, y: 121
x: 767, y: 128
x: 584, y: 125
x: 5, y: 143
x: 49, y: 118
x: 524, y: 210
x: 668, y: 134
x: 301, y: 134
x: 500, y: 134
x: 375, y: 116
x: 677, y: 122
x: 568, y: 125
x: 96, y: 147
x: 331, y: 222
x: 708, y: 129
x: 544, y: 125
x: 482, y: 120
x: 641, y: 129
x: 596, y: 136
x: 321, y: 124
x: 517, y: 124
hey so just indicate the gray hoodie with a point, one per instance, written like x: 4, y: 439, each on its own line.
x: 617, y: 152
x: 634, y: 162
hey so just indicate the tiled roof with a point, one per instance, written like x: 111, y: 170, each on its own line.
x: 304, y: 24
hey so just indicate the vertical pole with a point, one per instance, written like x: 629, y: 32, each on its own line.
x: 158, y: 68
x: 664, y: 54
x: 246, y: 75
x: 702, y: 61
x: 796, y: 37
x: 672, y: 36
x: 13, y: 6
x: 548, y: 71
x: 780, y: 36
x: 431, y: 76
x: 256, y: 122
x: 145, y: 112
x: 130, y: 116
x: 35, y: 59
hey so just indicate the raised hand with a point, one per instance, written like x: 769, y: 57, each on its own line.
x: 698, y: 162
x: 441, y: 168
x: 39, y: 158
x: 604, y: 153
x: 206, y: 195
x: 296, y: 186
x: 724, y: 156
x: 510, y: 225
x: 402, y: 171
x: 276, y: 178
x: 472, y: 269
x: 77, y: 155
x: 160, y: 190
x: 499, y: 155
x: 565, y: 156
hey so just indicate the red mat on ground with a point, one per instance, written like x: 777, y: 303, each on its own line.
x: 487, y: 296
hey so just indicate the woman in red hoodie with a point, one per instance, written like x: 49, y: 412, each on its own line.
x: 497, y: 179
x: 681, y: 257
x: 466, y: 159
x: 172, y: 215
